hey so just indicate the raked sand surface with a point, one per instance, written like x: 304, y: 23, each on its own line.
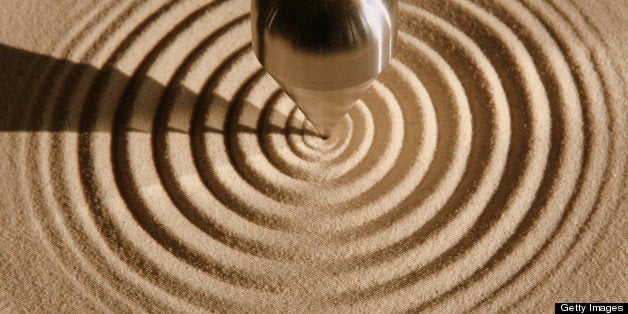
x: 148, y: 163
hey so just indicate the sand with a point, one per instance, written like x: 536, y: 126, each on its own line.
x: 148, y: 163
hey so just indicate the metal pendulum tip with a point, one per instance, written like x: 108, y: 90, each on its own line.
x: 324, y: 54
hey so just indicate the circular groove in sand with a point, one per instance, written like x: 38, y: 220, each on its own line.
x: 203, y: 189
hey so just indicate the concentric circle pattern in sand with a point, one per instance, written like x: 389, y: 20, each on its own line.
x: 486, y: 155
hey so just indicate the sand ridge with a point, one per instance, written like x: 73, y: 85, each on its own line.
x: 164, y: 170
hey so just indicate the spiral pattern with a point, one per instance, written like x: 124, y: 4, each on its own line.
x: 487, y: 154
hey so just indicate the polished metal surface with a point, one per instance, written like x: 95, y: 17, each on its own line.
x: 324, y: 53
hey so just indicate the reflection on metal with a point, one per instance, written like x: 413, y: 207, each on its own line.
x: 324, y: 53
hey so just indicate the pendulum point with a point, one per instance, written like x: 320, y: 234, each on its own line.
x: 324, y: 131
x: 325, y: 109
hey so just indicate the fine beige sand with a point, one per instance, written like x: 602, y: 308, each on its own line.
x: 148, y: 163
